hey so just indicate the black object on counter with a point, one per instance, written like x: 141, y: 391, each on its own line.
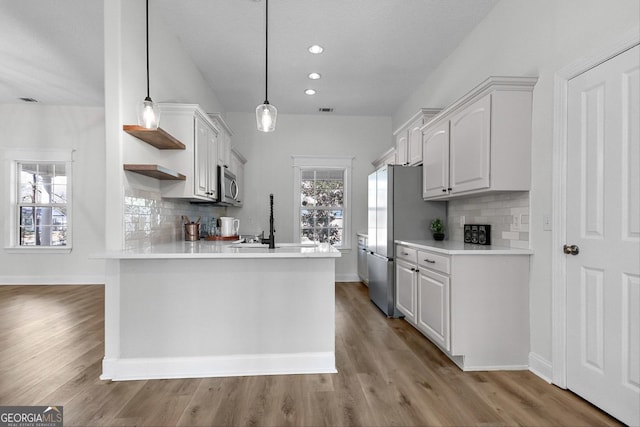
x: 271, y: 240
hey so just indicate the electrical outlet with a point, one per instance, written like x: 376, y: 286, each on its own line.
x: 516, y: 223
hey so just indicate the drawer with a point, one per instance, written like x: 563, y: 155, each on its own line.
x: 407, y: 254
x: 430, y: 260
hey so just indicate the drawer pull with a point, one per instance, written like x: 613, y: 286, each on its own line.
x: 430, y: 261
x: 404, y: 253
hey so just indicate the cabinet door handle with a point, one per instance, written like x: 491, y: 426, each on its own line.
x: 444, y: 190
x: 430, y: 261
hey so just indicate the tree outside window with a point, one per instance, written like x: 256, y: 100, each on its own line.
x: 42, y: 204
x: 321, y: 206
x: 321, y: 199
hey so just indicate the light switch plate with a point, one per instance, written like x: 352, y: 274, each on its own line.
x: 546, y: 222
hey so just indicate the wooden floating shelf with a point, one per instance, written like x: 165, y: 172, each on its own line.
x: 155, y: 171
x: 159, y: 138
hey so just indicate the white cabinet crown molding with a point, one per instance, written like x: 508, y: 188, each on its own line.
x: 507, y: 83
x: 196, y: 109
x: 427, y: 112
x: 218, y: 118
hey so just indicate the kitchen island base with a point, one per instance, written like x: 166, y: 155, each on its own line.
x: 210, y: 317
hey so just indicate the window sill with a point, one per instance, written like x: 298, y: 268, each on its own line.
x: 38, y: 250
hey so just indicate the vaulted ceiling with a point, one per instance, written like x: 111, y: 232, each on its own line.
x: 376, y: 51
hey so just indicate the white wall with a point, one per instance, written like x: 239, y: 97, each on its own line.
x: 530, y: 38
x: 173, y: 78
x: 67, y: 128
x: 269, y: 168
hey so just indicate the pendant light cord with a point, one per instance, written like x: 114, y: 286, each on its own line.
x: 147, y: 14
x: 266, y: 54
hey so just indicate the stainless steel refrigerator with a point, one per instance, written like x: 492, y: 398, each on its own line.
x: 396, y: 212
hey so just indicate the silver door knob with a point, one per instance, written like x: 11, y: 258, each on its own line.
x: 571, y: 249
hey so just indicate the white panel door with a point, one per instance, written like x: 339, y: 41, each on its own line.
x: 603, y: 222
x: 202, y: 159
x: 212, y: 163
x: 435, y: 161
x: 470, y: 147
x: 406, y: 292
x: 414, y: 143
x: 433, y: 307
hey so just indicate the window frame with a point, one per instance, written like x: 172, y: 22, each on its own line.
x: 12, y: 159
x: 344, y: 163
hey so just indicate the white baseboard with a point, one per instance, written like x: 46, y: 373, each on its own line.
x: 347, y: 278
x: 52, y: 280
x: 495, y: 368
x: 218, y: 366
x: 541, y: 367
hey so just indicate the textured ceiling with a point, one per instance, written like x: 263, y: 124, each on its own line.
x: 376, y: 51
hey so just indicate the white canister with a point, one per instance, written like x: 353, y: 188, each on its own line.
x: 229, y: 226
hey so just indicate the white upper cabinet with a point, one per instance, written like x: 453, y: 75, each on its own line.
x: 224, y: 140
x: 435, y: 166
x: 469, y: 147
x: 482, y: 142
x: 402, y: 150
x: 198, y: 161
x: 408, y: 138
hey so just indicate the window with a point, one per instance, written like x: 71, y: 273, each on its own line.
x: 41, y: 201
x: 321, y: 200
x: 42, y: 204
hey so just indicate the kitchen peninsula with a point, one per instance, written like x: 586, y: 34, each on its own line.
x: 206, y: 309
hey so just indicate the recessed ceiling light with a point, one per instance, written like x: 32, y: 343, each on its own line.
x: 310, y: 91
x: 316, y: 49
x: 314, y: 76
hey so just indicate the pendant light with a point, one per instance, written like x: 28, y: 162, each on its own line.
x: 266, y: 114
x: 148, y: 111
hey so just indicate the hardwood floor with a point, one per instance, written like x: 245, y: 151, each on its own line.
x: 51, y: 346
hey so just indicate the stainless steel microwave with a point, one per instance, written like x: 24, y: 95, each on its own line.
x: 228, y: 191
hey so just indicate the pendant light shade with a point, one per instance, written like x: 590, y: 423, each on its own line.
x: 148, y: 111
x: 266, y: 114
x: 148, y: 114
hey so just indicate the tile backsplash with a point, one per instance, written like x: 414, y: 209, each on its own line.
x: 507, y: 213
x: 149, y: 219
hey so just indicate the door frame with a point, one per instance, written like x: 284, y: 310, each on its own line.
x: 559, y: 207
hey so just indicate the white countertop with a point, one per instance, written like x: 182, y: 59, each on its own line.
x: 460, y: 248
x: 222, y: 250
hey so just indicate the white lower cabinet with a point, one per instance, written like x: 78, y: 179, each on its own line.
x: 433, y: 307
x: 363, y: 268
x: 406, y: 282
x: 474, y: 305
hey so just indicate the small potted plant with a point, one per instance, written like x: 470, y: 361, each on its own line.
x: 437, y: 228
